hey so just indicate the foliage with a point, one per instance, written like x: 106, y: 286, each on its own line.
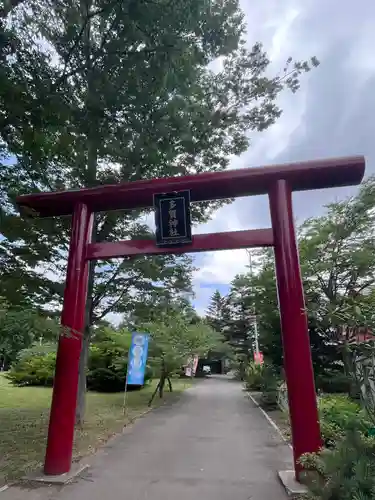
x: 343, y: 466
x: 338, y: 266
x: 173, y: 341
x: 346, y: 472
x: 270, y: 386
x: 337, y: 414
x: 19, y: 328
x: 333, y: 381
x: 239, y: 365
x: 34, y: 370
x: 101, y: 93
x: 337, y: 250
x: 240, y: 307
x: 250, y: 293
x: 37, y: 349
x: 337, y: 263
x: 109, y: 95
x: 149, y: 311
x: 107, y: 364
x: 254, y: 376
x: 105, y: 380
x: 217, y: 314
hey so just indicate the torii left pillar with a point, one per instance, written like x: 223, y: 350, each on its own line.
x: 61, y: 427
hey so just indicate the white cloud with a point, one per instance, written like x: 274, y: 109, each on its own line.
x: 361, y: 57
x: 219, y: 268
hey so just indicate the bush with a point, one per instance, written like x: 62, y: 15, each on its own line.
x: 337, y: 414
x: 346, y: 472
x: 239, y: 367
x: 105, y: 380
x: 111, y: 380
x: 264, y: 378
x: 35, y: 369
x: 334, y: 383
x: 107, y: 364
x: 254, y: 377
x: 270, y: 387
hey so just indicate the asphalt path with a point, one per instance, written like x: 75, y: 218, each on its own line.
x: 213, y: 444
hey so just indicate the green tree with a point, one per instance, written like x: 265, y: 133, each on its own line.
x: 148, y: 309
x: 337, y: 249
x: 337, y: 258
x: 19, y: 328
x: 217, y: 314
x: 173, y: 340
x: 241, y: 306
x: 120, y: 91
x: 337, y: 254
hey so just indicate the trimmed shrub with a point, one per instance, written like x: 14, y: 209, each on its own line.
x: 107, y: 364
x: 105, y: 380
x: 35, y: 369
x: 111, y: 380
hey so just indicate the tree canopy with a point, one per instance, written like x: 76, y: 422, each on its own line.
x: 337, y: 262
x: 173, y: 340
x: 100, y: 92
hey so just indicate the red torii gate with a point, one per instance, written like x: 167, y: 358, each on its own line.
x: 278, y: 182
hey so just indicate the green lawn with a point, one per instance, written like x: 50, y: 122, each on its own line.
x: 24, y: 415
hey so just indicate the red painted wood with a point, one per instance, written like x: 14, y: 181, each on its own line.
x: 201, y: 243
x: 62, y: 418
x: 296, y: 344
x: 207, y: 186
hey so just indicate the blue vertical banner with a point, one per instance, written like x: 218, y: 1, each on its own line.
x: 137, y: 359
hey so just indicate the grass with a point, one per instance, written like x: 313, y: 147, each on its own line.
x: 24, y: 413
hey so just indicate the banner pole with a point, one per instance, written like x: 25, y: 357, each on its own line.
x: 125, y: 393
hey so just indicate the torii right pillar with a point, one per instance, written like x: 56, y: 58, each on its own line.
x: 304, y: 418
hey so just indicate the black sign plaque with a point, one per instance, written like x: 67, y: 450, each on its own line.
x: 172, y: 219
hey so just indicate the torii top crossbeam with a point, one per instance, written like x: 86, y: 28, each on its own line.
x: 203, y: 187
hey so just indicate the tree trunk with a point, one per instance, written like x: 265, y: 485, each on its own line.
x: 170, y: 384
x: 349, y: 368
x: 163, y: 377
x: 161, y: 386
x: 82, y: 384
x: 90, y: 180
x: 154, y: 394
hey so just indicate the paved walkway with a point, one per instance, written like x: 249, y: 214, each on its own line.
x: 213, y: 444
